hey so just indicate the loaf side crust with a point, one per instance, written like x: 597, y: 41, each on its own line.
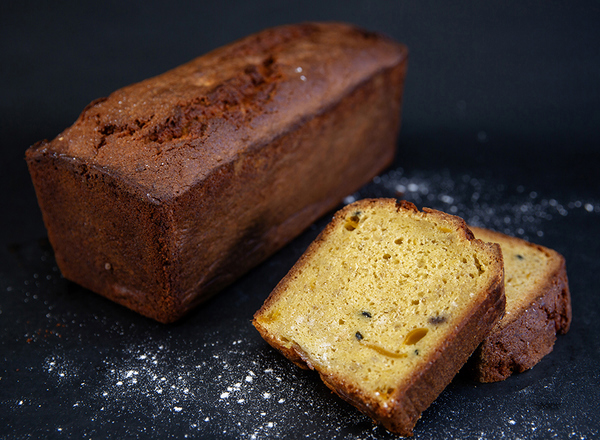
x: 416, y: 394
x: 521, y: 339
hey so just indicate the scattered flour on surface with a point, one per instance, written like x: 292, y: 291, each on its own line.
x: 237, y: 387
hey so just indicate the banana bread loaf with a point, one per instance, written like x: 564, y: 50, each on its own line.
x: 538, y: 306
x: 169, y: 189
x: 387, y: 304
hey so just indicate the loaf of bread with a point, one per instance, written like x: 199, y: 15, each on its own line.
x: 538, y: 306
x: 167, y: 190
x: 387, y: 304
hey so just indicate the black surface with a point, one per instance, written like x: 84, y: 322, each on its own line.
x: 500, y: 126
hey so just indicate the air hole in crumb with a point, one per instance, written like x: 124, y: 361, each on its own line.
x: 352, y: 221
x: 478, y: 264
x: 399, y: 240
x: 351, y: 224
x: 387, y: 256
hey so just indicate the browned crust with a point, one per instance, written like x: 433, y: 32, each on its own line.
x: 519, y: 341
x: 422, y: 389
x: 206, y: 112
x: 226, y: 200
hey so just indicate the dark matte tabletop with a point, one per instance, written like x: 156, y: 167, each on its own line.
x: 500, y: 125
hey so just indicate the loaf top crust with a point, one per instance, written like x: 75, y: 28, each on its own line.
x: 166, y: 133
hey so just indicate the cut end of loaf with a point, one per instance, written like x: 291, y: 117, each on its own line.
x: 377, y: 299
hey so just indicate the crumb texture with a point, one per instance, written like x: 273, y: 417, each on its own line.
x: 376, y: 297
x: 525, y: 268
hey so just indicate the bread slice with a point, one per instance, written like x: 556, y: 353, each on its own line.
x: 387, y: 304
x: 538, y: 306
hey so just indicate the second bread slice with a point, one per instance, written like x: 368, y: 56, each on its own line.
x: 538, y: 306
x: 387, y: 304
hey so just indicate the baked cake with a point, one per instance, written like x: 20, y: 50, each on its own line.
x: 169, y: 189
x: 538, y: 306
x: 386, y: 305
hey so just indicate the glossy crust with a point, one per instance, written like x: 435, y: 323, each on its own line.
x: 168, y: 190
x: 426, y: 384
x: 522, y: 339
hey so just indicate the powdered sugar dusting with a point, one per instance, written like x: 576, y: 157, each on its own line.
x: 233, y: 393
x: 513, y: 210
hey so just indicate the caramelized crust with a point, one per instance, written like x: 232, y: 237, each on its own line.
x: 167, y: 133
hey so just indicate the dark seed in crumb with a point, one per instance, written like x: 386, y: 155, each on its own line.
x: 520, y: 257
x: 358, y: 335
x: 437, y: 319
x: 366, y: 314
x: 417, y: 352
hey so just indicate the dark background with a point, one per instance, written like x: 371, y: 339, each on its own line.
x: 507, y: 95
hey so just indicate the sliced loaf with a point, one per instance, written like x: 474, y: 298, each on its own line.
x: 538, y: 306
x: 387, y: 304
